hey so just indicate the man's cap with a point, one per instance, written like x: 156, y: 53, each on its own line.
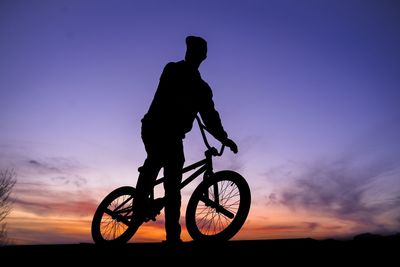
x: 195, y: 42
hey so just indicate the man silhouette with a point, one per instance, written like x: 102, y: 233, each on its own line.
x: 180, y: 95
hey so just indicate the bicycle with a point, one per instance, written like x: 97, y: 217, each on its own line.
x: 216, y: 210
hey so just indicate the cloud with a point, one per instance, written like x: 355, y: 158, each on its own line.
x: 360, y: 186
x: 58, y: 170
x: 47, y: 200
x: 76, y: 180
x: 40, y: 230
x: 245, y: 147
x: 43, y: 167
x: 344, y: 191
x: 291, y: 229
x: 44, y: 185
x: 302, y: 226
x: 54, y: 165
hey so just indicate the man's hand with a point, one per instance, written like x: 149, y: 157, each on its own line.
x: 232, y: 145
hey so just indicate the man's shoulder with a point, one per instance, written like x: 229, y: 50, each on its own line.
x: 174, y: 64
x: 171, y: 68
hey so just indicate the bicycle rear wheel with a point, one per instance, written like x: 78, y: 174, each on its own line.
x: 112, y: 222
x: 218, y: 207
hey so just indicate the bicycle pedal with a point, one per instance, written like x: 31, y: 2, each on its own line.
x: 152, y: 218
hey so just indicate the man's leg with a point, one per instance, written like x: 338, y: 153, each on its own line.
x: 148, y: 174
x: 173, y: 174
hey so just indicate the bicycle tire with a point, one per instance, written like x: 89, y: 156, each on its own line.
x: 112, y: 226
x: 206, y: 223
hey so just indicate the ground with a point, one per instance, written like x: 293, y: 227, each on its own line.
x: 369, y: 249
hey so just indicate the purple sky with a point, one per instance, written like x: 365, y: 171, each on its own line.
x: 309, y: 90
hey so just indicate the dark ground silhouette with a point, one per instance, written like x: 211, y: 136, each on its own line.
x: 371, y: 249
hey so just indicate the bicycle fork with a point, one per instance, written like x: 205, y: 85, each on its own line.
x: 213, y: 200
x: 215, y: 203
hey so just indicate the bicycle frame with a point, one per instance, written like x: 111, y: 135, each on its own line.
x: 205, y: 166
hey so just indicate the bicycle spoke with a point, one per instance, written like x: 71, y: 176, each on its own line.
x: 219, y: 208
x: 211, y: 222
x: 116, y: 223
x: 222, y: 207
x: 213, y: 218
x: 112, y: 222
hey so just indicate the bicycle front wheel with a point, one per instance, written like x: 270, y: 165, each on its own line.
x: 112, y: 221
x: 218, y: 207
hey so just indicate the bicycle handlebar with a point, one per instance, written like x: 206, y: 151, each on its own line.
x: 212, y: 150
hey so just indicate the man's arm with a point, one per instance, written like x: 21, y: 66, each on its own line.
x: 212, y: 120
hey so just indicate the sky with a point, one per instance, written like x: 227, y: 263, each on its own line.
x: 309, y: 90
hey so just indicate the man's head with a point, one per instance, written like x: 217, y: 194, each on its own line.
x: 196, y: 50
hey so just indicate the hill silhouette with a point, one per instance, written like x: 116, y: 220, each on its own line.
x: 362, y: 248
